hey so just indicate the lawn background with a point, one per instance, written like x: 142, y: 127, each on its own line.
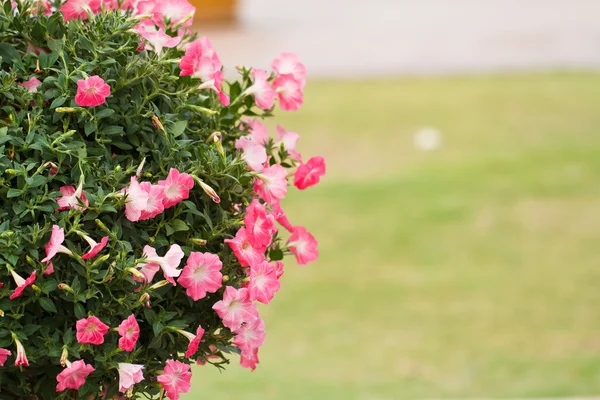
x: 472, y: 270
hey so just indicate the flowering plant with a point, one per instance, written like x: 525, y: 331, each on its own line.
x: 140, y: 199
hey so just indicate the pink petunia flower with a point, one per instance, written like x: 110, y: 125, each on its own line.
x: 194, y: 340
x: 201, y: 274
x: 159, y: 39
x: 236, y: 308
x: 73, y: 377
x: 130, y: 332
x: 280, y: 216
x: 243, y: 249
x: 303, y: 245
x: 258, y: 131
x: 263, y: 282
x: 250, y: 362
x: 31, y: 84
x: 261, y: 89
x: 21, y: 356
x: 250, y: 337
x: 53, y: 168
x: 260, y: 225
x: 278, y: 269
x: 136, y: 201
x: 271, y: 185
x: 129, y: 375
x: 91, y: 330
x: 175, y: 379
x: 289, y: 92
x: 156, y: 197
x: 95, y: 248
x: 310, y: 173
x: 288, y: 140
x: 74, y: 9
x: 49, y: 269
x: 173, y: 10
x: 200, y: 60
x: 168, y: 263
x: 72, y: 198
x: 21, y: 283
x: 176, y: 187
x: 54, y: 245
x: 288, y: 63
x: 4, y: 354
x: 91, y: 92
x: 254, y: 154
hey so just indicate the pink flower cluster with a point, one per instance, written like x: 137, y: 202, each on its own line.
x: 145, y: 200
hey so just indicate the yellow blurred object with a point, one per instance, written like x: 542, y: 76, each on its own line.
x: 214, y: 10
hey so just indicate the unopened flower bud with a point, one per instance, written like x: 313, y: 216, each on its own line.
x: 158, y: 124
x: 225, y: 278
x: 101, y: 259
x: 144, y: 297
x: 159, y: 284
x: 53, y: 168
x: 101, y: 225
x: 1, y: 313
x: 117, y: 169
x: 64, y: 356
x: 30, y: 260
x: 65, y: 287
x: 210, y: 192
x: 11, y: 171
x: 140, y: 168
x: 135, y: 272
x: 199, y: 242
x: 65, y: 109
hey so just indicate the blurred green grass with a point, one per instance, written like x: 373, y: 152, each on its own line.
x: 472, y: 270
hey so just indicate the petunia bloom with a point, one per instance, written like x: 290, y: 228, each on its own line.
x: 250, y: 337
x: 258, y: 132
x: 91, y: 330
x: 280, y: 216
x: 250, y: 362
x: 175, y: 379
x: 289, y: 92
x: 288, y: 140
x: 31, y: 84
x: 271, y: 185
x: 194, y: 340
x: 288, y: 63
x: 263, y: 282
x: 72, y: 198
x: 201, y: 274
x: 55, y: 244
x: 74, y: 9
x: 236, y: 308
x: 310, y: 173
x: 21, y: 283
x: 243, y: 249
x: 91, y: 92
x: 156, y: 197
x: 176, y: 11
x: 303, y: 245
x: 130, y: 332
x: 260, y: 225
x: 254, y: 154
x: 136, y: 201
x: 261, y: 89
x: 129, y: 375
x: 21, y: 356
x: 4, y: 354
x: 176, y: 187
x: 169, y: 263
x: 73, y: 377
x: 200, y: 60
x: 95, y: 248
x: 159, y: 39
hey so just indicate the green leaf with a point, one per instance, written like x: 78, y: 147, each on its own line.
x: 178, y: 128
x: 30, y: 329
x: 9, y: 54
x: 276, y: 255
x: 13, y: 193
x: 179, y: 226
x: 79, y: 311
x: 59, y: 101
x: 150, y: 315
x: 157, y: 327
x: 36, y: 181
x: 107, y: 112
x: 47, y: 304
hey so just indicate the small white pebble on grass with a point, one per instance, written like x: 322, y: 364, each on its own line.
x: 427, y: 139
